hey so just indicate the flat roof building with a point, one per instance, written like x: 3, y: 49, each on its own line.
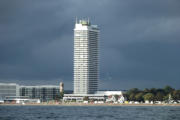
x: 99, y: 95
x: 8, y: 89
x: 43, y: 92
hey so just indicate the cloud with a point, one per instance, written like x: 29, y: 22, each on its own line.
x: 139, y: 41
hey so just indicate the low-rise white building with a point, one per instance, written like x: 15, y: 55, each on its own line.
x: 98, y: 96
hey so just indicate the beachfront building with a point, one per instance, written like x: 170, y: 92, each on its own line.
x: 20, y: 99
x: 12, y: 92
x: 43, y: 92
x: 8, y: 89
x: 86, y: 37
x: 98, y: 96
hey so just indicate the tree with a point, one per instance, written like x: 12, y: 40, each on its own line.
x: 61, y: 95
x: 86, y: 98
x: 176, y: 95
x: 153, y: 91
x: 160, y: 90
x: 57, y: 97
x: 116, y: 97
x: 168, y: 90
x: 146, y: 90
x: 132, y: 97
x: 159, y: 96
x: 139, y: 96
x: 166, y: 97
x: 131, y: 93
x: 133, y: 90
x: 148, y: 96
x: 126, y: 96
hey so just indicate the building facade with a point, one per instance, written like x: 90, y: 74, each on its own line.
x: 44, y: 93
x: 12, y: 91
x: 8, y: 89
x: 106, y: 96
x: 86, y: 37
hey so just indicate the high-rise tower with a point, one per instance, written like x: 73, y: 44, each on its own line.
x: 86, y: 38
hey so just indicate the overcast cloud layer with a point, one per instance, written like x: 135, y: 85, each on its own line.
x: 139, y: 41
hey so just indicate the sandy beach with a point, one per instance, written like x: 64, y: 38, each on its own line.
x: 89, y: 104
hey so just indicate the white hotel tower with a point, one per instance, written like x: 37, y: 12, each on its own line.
x: 86, y: 38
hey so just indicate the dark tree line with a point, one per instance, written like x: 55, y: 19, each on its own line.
x: 152, y: 94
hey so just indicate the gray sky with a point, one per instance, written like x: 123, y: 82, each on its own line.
x: 139, y: 41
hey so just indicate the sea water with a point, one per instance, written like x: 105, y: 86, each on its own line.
x: 89, y: 113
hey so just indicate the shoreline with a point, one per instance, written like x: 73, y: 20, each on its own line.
x: 89, y: 104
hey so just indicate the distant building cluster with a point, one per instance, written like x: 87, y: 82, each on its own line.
x: 14, y: 93
x: 86, y: 74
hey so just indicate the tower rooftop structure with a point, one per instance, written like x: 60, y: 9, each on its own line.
x: 85, y: 25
